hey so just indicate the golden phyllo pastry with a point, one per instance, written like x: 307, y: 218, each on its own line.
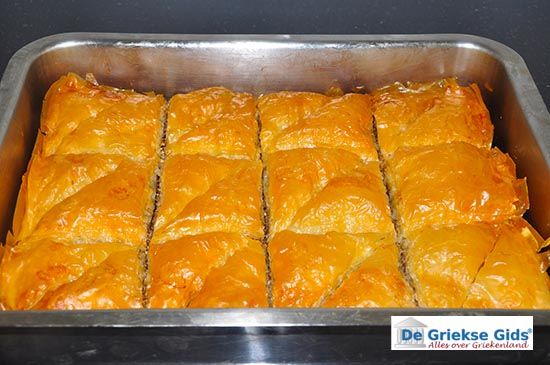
x: 444, y: 261
x: 241, y: 282
x: 478, y: 265
x: 313, y: 270
x: 86, y: 200
x: 294, y: 199
x: 45, y: 274
x: 457, y: 203
x: 201, y: 193
x: 422, y: 114
x: 319, y: 190
x: 454, y: 183
x: 80, y: 116
x: 293, y: 120
x: 206, y: 249
x: 214, y: 121
x: 189, y: 271
x: 513, y: 275
x: 330, y: 221
x: 377, y: 282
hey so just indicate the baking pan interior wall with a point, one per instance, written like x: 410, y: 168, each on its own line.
x: 258, y: 64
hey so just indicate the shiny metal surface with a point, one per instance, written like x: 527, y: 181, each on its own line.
x: 258, y: 63
x: 249, y: 318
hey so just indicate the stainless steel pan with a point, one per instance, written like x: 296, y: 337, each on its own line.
x: 262, y: 63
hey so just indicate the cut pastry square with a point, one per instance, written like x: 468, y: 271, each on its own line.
x: 214, y: 121
x: 45, y: 274
x: 513, y: 275
x: 293, y: 120
x: 421, y: 114
x: 307, y: 269
x: 318, y: 190
x: 201, y: 193
x: 239, y: 283
x: 86, y: 198
x: 207, y: 270
x: 79, y: 116
x: 377, y: 282
x: 443, y: 262
x: 454, y: 183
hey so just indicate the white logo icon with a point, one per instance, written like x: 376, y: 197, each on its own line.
x: 410, y: 333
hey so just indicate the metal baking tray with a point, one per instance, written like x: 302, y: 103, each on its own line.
x: 259, y: 63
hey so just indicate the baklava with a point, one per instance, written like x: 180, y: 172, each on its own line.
x: 209, y: 226
x: 329, y: 214
x: 219, y: 199
x: 424, y: 114
x: 457, y: 202
x: 478, y: 266
x: 454, y: 183
x: 86, y: 200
